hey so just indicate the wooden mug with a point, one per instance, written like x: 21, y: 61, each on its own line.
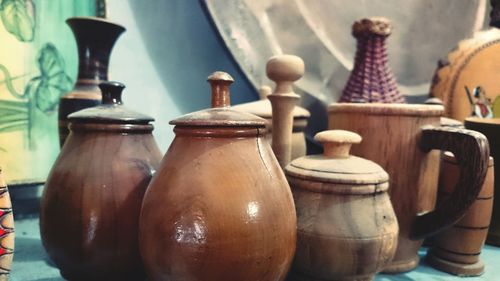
x: 491, y: 129
x: 401, y: 137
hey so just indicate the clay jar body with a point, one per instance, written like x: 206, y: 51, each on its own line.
x: 95, y: 38
x: 220, y: 207
x: 90, y: 208
x: 403, y: 139
x: 346, y: 226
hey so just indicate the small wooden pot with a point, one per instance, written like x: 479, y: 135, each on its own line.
x: 346, y: 226
x: 457, y: 249
x: 404, y: 139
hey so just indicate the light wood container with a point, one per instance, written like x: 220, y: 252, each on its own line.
x: 457, y: 249
x: 491, y: 129
x: 404, y: 139
x: 346, y: 226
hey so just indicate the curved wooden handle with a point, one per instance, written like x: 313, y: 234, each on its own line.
x: 471, y: 150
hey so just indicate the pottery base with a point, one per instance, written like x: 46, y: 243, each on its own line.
x: 297, y: 276
x: 459, y: 269
x: 493, y: 239
x: 402, y: 266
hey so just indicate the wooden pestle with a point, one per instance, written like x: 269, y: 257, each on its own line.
x: 283, y: 70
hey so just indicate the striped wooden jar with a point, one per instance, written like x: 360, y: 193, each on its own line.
x: 457, y: 250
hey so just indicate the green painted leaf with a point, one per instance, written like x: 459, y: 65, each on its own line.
x: 18, y: 18
x: 46, y: 89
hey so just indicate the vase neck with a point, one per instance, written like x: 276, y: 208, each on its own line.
x: 95, y: 39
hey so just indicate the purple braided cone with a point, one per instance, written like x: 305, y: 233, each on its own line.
x: 371, y: 80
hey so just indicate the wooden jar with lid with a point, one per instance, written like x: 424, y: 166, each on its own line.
x: 346, y: 226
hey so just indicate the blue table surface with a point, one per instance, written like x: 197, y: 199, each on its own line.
x: 31, y: 262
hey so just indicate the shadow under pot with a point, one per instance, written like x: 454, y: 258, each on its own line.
x: 220, y: 207
x: 346, y: 226
x: 90, y: 207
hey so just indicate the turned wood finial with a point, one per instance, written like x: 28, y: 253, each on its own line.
x: 337, y: 143
x: 111, y: 92
x: 264, y: 92
x: 220, y: 82
x: 283, y: 70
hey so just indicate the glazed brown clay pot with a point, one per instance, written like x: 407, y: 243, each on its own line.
x: 95, y: 38
x: 346, y: 226
x: 456, y: 250
x: 6, y: 230
x: 491, y: 129
x: 220, y: 207
x: 404, y: 139
x: 89, y: 217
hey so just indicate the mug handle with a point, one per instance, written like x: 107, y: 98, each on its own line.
x: 472, y: 151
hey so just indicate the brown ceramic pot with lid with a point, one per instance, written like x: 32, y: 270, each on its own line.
x: 220, y: 207
x: 90, y: 208
x: 346, y: 226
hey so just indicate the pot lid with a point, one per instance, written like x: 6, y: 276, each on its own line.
x: 111, y: 110
x: 335, y: 165
x: 221, y: 114
x: 262, y: 107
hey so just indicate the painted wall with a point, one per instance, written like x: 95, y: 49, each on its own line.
x: 164, y: 58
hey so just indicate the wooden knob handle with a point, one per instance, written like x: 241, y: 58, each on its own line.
x: 337, y: 143
x: 220, y: 82
x: 111, y: 92
x: 264, y: 91
x: 285, y: 68
x: 372, y: 26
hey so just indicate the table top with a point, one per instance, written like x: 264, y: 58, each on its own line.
x: 31, y: 262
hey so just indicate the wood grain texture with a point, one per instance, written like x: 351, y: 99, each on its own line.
x: 392, y: 136
x: 219, y: 208
x: 460, y: 245
x: 284, y: 70
x: 491, y: 129
x: 95, y: 39
x: 7, y: 235
x: 90, y: 207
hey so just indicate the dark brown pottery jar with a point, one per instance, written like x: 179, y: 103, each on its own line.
x: 346, y: 226
x: 90, y: 208
x: 220, y: 207
x: 95, y: 38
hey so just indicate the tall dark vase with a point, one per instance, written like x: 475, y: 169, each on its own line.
x: 95, y: 38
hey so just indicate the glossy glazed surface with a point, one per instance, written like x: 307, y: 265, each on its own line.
x: 219, y: 209
x: 90, y: 208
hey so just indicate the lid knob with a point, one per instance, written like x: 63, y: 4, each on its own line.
x: 264, y: 91
x: 220, y: 82
x: 111, y: 92
x: 337, y: 143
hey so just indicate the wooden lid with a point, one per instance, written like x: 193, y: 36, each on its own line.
x: 111, y: 110
x: 388, y: 109
x: 221, y: 114
x: 336, y: 165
